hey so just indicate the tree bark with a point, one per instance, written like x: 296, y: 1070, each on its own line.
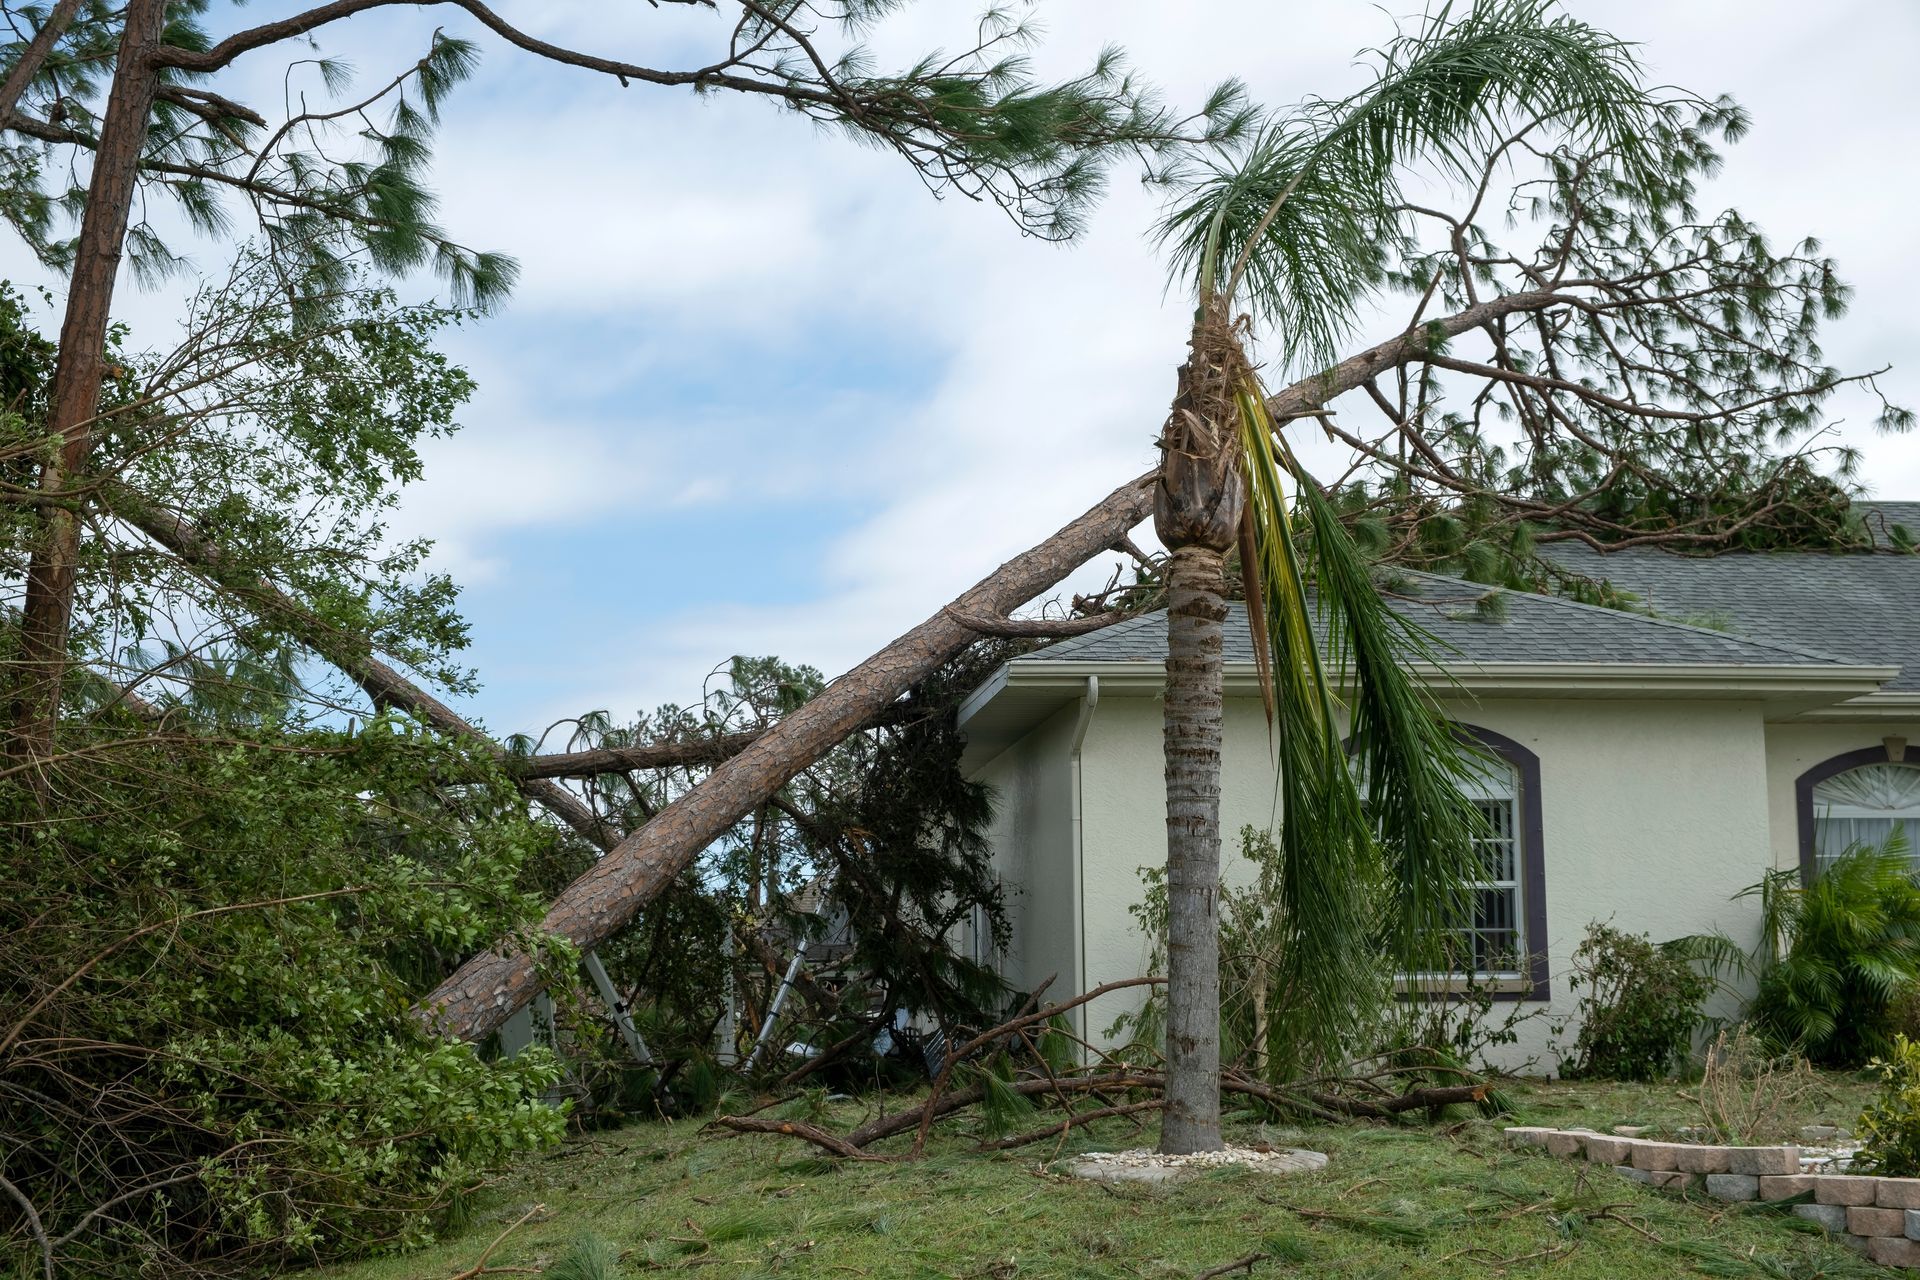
x: 34, y: 56
x: 79, y: 372
x: 1198, y: 508
x: 1196, y: 614
x: 489, y: 987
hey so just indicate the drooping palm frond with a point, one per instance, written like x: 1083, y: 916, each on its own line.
x: 1328, y: 858
x: 1402, y: 745
x: 1298, y: 224
x: 1376, y: 840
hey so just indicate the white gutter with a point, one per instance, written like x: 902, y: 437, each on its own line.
x: 1089, y: 700
x: 1147, y: 677
x: 1898, y: 705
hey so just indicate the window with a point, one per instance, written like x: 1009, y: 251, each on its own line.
x: 1864, y: 806
x: 1495, y: 944
x: 1858, y: 797
x: 1504, y: 945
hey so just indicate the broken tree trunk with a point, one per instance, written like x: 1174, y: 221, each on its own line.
x: 489, y: 987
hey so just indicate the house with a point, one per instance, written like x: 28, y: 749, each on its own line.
x: 1652, y: 766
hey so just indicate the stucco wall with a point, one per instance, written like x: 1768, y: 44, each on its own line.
x: 1792, y: 749
x: 1655, y: 814
x: 1032, y: 837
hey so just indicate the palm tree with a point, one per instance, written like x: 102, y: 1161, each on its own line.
x: 1299, y: 228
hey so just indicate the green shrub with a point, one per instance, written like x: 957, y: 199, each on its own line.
x: 1843, y: 954
x: 1641, y: 1006
x: 209, y: 957
x: 1890, y: 1125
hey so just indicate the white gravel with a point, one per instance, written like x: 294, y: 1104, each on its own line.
x: 1151, y: 1166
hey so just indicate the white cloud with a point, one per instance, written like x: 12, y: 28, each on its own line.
x: 689, y: 228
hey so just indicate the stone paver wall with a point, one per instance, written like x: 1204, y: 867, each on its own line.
x: 1878, y: 1216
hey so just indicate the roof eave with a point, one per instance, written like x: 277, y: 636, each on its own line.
x: 1617, y: 679
x: 1025, y: 691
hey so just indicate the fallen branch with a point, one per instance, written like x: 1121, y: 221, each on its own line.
x: 1226, y: 1269
x: 1012, y: 1026
x: 819, y: 1137
x: 481, y: 1268
x: 1072, y: 1120
x: 669, y: 755
x: 1035, y: 628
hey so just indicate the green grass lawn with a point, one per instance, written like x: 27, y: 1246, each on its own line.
x: 1393, y: 1202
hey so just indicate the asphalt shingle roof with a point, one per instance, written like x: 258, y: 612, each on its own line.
x: 1865, y: 608
x: 1530, y: 628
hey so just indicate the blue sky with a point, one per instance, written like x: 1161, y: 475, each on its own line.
x: 759, y: 392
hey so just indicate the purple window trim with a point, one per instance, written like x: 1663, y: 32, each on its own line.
x: 1803, y: 795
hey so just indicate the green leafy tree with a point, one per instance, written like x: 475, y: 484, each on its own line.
x: 223, y: 896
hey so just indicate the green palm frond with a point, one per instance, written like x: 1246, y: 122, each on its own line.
x: 1327, y: 851
x: 1298, y: 224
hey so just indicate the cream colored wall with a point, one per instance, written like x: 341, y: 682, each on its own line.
x: 1654, y: 815
x: 1032, y: 840
x: 1792, y: 749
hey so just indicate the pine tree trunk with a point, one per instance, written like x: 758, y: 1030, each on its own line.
x: 79, y: 372
x: 1196, y: 615
x: 489, y: 987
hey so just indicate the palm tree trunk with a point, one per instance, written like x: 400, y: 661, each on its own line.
x: 1196, y: 613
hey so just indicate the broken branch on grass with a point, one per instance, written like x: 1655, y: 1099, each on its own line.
x: 799, y: 1129
x: 481, y: 1268
x: 1245, y: 1264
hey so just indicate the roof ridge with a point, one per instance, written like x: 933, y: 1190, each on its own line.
x: 1564, y: 603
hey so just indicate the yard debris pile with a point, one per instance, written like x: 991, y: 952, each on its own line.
x: 1878, y: 1216
x: 1006, y: 1072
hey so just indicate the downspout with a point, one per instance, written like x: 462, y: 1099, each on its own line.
x: 1088, y: 701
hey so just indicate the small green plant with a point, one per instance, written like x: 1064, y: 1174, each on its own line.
x: 1890, y: 1125
x: 1640, y: 1009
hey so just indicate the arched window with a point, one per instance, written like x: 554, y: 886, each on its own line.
x: 1857, y: 799
x: 1865, y: 806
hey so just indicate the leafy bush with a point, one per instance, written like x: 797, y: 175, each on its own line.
x: 1641, y: 1006
x: 1853, y: 953
x: 209, y: 956
x: 1837, y: 960
x: 1889, y: 1128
